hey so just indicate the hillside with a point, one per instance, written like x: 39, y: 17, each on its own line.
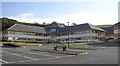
x: 104, y: 26
x: 31, y: 24
x: 7, y: 23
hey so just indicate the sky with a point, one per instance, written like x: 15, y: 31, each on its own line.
x: 92, y: 12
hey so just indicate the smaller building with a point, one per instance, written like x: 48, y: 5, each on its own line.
x: 109, y: 34
x: 117, y: 32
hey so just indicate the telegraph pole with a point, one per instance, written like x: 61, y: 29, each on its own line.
x: 68, y: 36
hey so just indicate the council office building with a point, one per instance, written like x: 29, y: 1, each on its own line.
x: 55, y: 32
x: 117, y: 32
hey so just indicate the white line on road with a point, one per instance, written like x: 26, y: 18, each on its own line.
x: 19, y: 55
x: 23, y: 61
x: 36, y: 53
x: 3, y: 61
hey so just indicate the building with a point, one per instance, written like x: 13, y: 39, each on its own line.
x: 117, y: 32
x: 109, y: 34
x: 79, y: 33
x: 25, y: 33
x: 55, y: 32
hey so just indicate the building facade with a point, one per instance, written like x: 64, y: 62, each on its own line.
x: 55, y: 32
x: 24, y: 33
x: 117, y: 32
x: 109, y: 34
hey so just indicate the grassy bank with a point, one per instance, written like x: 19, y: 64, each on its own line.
x: 59, y: 51
x: 81, y: 47
x: 22, y: 43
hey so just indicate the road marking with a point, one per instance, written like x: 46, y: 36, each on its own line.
x: 33, y: 59
x: 23, y: 61
x: 3, y: 61
x: 42, y: 59
x: 19, y: 55
x: 103, y: 47
x: 35, y: 53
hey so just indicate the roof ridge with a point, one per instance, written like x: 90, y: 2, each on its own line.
x: 27, y: 25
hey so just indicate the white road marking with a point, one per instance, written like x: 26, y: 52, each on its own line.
x: 42, y: 59
x: 36, y: 53
x: 3, y: 61
x: 19, y: 55
x: 23, y: 61
x: 103, y: 47
x: 33, y: 59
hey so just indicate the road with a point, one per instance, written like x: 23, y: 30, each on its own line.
x: 24, y: 55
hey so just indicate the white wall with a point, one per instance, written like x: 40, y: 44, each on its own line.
x: 80, y: 35
x: 116, y: 31
x: 26, y: 36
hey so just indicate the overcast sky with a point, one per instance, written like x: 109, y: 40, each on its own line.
x: 104, y: 12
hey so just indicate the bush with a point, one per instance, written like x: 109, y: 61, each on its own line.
x: 10, y: 45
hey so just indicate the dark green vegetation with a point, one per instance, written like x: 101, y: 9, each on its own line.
x: 5, y: 23
x: 21, y: 43
x: 10, y: 45
x: 32, y: 24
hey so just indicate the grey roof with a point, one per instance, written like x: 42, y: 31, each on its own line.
x: 65, y: 29
x: 20, y: 27
x: 109, y: 29
x: 85, y: 26
x: 55, y: 25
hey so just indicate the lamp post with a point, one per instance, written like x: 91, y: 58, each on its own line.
x: 68, y: 36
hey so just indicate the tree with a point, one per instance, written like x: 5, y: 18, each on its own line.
x: 6, y: 22
x: 74, y: 24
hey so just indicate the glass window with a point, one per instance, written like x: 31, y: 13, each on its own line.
x: 52, y: 29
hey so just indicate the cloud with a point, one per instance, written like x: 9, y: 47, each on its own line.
x: 94, y: 18
x: 25, y: 15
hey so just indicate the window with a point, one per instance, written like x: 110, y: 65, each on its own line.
x: 52, y: 29
x: 78, y: 38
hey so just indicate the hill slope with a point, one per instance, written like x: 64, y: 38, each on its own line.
x: 104, y: 26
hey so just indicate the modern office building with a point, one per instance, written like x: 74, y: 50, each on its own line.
x: 57, y: 32
x: 79, y: 33
x: 25, y: 33
x: 117, y: 32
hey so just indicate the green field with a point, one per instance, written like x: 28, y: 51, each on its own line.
x: 104, y: 26
x: 22, y: 43
x: 81, y: 47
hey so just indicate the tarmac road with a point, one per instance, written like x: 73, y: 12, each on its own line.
x: 23, y: 55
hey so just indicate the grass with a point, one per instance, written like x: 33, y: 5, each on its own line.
x: 22, y: 43
x: 104, y: 26
x: 59, y: 51
x: 80, y: 47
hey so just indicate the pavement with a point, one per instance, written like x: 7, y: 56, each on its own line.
x: 24, y: 55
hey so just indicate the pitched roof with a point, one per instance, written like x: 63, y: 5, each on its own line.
x: 84, y: 26
x: 20, y: 27
x: 109, y: 29
x: 55, y: 25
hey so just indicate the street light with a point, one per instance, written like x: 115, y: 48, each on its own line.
x: 68, y: 36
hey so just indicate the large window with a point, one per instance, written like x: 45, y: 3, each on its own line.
x: 53, y: 30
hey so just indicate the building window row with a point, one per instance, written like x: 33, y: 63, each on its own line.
x: 27, y: 33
